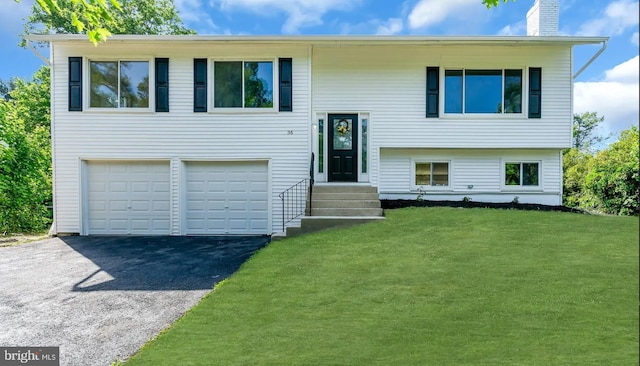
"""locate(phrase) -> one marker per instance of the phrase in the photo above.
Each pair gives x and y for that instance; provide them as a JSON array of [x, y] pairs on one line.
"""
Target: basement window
[[522, 174], [434, 174]]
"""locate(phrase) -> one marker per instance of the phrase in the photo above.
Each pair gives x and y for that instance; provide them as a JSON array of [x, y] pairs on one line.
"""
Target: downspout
[[561, 178], [52, 133], [593, 58], [310, 116], [38, 54], [313, 129]]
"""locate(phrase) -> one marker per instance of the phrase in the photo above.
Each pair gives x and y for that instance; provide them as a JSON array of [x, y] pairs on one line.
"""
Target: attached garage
[[226, 198], [127, 198]]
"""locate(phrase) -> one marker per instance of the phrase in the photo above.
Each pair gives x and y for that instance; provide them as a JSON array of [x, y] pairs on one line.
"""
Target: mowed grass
[[428, 286]]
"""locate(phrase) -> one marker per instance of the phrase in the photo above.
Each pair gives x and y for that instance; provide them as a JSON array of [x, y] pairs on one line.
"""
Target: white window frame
[[520, 187], [524, 110], [416, 187], [87, 84], [243, 109]]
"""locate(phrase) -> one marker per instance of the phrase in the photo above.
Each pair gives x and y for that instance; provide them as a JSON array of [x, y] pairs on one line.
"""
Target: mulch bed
[[391, 204]]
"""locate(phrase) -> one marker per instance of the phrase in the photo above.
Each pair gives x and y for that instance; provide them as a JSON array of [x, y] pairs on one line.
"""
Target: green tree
[[31, 99], [130, 17], [575, 165], [95, 17], [25, 159], [5, 88], [493, 3], [578, 161], [25, 148], [614, 176], [584, 131], [25, 154]]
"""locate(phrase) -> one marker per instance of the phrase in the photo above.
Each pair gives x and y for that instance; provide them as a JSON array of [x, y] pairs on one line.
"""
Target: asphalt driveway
[[101, 298]]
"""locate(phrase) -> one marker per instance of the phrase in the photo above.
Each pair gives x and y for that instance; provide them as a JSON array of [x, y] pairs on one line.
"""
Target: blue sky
[[609, 86]]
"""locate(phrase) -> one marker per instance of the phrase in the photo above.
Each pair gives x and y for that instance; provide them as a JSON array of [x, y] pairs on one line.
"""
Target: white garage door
[[128, 198], [226, 198]]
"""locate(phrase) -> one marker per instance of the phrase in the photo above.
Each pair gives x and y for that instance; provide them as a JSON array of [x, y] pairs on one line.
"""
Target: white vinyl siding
[[385, 83], [475, 173], [180, 135], [390, 84]]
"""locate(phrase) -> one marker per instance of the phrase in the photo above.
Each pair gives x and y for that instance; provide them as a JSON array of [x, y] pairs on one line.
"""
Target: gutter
[[593, 58], [38, 54], [328, 39]]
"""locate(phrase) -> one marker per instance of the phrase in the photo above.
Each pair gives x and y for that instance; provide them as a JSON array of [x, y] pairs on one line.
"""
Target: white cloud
[[618, 17], [634, 39], [427, 13], [391, 26], [517, 29], [625, 72], [615, 97], [300, 13], [194, 16]]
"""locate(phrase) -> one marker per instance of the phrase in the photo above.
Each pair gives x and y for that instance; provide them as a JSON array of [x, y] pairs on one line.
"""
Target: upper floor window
[[483, 91], [119, 84], [243, 84]]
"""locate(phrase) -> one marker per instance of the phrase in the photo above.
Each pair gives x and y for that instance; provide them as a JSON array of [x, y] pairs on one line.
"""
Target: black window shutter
[[75, 84], [535, 92], [200, 85], [433, 87], [162, 85], [286, 91]]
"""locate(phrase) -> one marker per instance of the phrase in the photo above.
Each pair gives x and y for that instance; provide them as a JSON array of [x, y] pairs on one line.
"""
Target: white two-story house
[[198, 135]]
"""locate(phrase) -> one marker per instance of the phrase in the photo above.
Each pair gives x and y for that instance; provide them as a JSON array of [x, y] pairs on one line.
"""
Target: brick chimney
[[543, 17]]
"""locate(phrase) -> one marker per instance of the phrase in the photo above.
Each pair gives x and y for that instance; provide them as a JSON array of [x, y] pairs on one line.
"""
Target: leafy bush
[[576, 164], [614, 176], [25, 157]]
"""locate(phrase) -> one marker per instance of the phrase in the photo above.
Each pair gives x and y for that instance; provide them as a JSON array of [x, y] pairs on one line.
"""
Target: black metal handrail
[[311, 181], [296, 200]]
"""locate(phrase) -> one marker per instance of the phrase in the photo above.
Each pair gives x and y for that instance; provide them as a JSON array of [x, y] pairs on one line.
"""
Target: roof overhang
[[329, 39]]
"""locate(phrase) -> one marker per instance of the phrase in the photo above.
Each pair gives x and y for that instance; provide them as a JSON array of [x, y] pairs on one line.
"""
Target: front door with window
[[343, 147]]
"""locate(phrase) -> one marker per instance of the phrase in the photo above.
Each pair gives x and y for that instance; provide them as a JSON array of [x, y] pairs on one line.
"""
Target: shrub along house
[[199, 135]]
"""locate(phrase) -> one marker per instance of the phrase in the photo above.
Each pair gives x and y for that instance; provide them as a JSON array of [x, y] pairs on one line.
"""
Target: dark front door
[[343, 147]]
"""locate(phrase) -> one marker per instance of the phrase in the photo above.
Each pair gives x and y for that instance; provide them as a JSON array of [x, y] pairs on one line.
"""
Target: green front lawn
[[428, 286]]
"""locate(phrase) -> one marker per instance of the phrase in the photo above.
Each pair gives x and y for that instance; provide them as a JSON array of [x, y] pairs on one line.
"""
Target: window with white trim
[[434, 174], [483, 91], [119, 84], [243, 84], [522, 174]]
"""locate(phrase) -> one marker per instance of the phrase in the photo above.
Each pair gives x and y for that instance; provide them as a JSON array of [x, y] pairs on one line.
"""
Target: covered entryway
[[226, 198], [127, 198]]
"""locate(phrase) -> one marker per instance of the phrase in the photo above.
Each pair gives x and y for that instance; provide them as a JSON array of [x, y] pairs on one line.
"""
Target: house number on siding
[[289, 132]]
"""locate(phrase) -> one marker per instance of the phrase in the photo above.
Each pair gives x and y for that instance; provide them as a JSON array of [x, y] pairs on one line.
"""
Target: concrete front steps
[[337, 205]]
